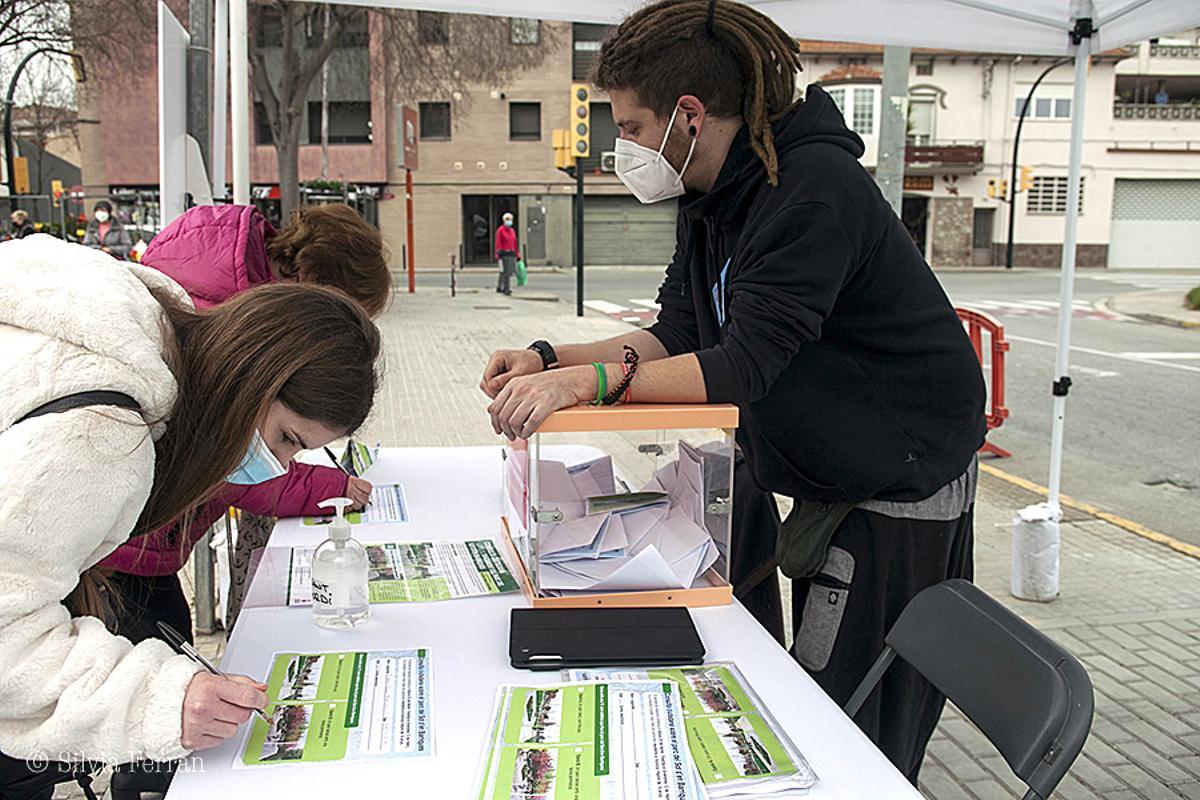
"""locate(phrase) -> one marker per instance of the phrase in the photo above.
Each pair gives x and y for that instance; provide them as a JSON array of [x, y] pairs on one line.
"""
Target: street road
[[1133, 417]]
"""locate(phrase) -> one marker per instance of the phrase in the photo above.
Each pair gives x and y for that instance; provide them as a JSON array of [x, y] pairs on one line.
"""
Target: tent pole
[[1062, 382], [239, 95]]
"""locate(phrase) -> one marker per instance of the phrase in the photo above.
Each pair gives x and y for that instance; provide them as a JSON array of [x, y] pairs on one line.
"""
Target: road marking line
[[604, 307], [1096, 373], [1135, 528], [1167, 356], [647, 303], [1045, 303], [1026, 306], [1119, 356]]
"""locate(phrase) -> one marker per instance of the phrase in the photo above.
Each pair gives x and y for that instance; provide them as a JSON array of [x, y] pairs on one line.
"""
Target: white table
[[454, 493]]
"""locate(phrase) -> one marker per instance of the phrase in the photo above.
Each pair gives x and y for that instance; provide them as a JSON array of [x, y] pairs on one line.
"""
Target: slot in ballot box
[[623, 506]]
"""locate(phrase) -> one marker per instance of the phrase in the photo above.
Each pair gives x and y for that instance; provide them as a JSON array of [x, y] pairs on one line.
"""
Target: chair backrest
[[1031, 698]]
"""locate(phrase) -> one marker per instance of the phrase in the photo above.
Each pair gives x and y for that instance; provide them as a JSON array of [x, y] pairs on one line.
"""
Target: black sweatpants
[[876, 564], [755, 527]]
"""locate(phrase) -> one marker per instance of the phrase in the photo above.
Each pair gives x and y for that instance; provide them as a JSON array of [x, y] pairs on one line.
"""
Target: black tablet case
[[560, 638]]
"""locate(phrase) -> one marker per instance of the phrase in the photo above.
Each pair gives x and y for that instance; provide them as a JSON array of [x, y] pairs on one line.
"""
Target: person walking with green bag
[[506, 253]]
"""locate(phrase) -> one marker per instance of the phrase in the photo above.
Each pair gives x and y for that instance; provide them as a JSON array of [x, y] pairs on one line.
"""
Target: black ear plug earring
[[692, 131]]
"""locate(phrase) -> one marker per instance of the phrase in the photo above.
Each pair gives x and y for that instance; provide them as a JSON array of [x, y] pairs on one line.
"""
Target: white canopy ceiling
[[999, 26]]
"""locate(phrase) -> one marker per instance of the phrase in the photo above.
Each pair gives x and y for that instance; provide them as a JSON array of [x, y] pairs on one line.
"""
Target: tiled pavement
[[1130, 609]]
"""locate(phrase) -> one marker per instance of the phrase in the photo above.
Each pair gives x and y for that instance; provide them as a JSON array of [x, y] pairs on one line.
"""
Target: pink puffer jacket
[[215, 252]]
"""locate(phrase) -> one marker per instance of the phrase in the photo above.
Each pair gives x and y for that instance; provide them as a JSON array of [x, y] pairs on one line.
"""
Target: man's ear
[[693, 113]]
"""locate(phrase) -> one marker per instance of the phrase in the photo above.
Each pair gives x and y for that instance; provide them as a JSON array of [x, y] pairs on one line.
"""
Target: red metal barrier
[[977, 323]]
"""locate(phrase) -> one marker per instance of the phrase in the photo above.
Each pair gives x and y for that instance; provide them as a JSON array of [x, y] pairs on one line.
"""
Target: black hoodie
[[809, 306]]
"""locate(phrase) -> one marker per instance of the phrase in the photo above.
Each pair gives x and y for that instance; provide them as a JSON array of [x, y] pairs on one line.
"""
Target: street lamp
[[1012, 184], [80, 77]]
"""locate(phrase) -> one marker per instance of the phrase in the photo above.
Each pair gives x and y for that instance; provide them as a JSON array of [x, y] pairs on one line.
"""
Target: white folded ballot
[[629, 541]]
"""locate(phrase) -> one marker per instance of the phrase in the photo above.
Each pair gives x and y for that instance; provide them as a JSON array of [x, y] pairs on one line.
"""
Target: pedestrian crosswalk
[[642, 311]]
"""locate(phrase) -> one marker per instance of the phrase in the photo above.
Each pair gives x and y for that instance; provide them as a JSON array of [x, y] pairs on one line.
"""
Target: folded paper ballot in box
[[624, 506]]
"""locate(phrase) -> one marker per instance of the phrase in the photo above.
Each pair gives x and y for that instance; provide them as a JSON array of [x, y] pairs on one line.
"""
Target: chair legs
[[869, 681]]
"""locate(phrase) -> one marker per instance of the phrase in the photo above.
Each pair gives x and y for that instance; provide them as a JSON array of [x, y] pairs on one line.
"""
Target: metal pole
[[578, 239], [220, 95], [239, 79], [893, 126], [198, 99], [411, 260], [1012, 184], [8, 107], [1062, 382]]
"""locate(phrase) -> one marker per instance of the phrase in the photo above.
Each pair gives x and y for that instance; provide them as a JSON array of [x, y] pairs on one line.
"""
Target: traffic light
[[1026, 179], [1004, 188], [581, 120], [991, 190]]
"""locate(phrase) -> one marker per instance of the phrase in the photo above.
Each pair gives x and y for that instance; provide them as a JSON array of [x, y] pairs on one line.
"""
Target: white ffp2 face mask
[[647, 173]]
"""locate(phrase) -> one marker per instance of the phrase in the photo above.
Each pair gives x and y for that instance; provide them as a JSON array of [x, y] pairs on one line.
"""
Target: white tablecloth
[[454, 493]]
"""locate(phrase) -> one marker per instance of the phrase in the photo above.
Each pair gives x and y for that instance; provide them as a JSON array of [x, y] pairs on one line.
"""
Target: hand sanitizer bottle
[[339, 574]]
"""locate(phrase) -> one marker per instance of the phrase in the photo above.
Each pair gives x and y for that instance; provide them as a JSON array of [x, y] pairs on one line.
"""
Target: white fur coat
[[72, 485]]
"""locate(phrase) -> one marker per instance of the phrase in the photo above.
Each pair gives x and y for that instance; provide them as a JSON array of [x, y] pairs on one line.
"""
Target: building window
[[435, 120], [586, 39], [525, 121], [522, 30], [268, 28], [433, 27], [349, 123], [1048, 195], [1044, 108], [922, 115], [924, 67], [859, 106], [262, 125], [356, 28]]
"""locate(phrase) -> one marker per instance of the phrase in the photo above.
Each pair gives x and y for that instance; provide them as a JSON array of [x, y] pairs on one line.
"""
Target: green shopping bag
[[522, 273]]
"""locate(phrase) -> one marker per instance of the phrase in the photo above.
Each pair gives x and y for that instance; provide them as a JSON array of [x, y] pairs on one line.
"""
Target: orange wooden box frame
[[586, 419]]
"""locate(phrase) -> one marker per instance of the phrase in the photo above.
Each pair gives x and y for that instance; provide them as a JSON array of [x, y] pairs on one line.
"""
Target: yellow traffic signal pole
[[1011, 195]]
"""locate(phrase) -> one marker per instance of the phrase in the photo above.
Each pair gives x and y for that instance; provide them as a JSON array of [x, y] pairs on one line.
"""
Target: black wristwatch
[[543, 349]]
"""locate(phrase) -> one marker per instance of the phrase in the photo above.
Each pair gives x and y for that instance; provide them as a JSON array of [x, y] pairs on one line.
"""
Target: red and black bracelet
[[629, 368]]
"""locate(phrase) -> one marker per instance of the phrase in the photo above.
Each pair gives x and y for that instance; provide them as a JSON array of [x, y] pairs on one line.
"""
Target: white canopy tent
[[1077, 28]]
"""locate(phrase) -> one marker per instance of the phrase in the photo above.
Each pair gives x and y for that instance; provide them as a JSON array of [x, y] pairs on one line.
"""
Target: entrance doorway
[[914, 213], [981, 237], [481, 215]]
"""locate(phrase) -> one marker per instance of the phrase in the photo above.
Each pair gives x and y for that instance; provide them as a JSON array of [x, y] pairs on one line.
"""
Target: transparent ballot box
[[625, 505]]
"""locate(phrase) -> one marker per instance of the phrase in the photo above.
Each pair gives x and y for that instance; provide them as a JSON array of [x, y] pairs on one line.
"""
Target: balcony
[[943, 159], [1173, 112], [1174, 50]]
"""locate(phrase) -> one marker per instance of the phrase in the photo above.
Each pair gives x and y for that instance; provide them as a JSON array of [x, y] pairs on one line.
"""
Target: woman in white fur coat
[[231, 393]]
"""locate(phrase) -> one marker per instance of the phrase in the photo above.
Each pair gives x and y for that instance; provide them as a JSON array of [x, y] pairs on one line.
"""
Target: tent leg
[[239, 94], [1062, 382]]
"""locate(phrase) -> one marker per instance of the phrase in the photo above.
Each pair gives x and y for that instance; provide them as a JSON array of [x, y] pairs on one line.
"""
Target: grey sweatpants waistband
[[946, 504]]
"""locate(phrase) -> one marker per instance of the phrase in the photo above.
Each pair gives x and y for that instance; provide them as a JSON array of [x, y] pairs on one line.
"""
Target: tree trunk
[[287, 156]]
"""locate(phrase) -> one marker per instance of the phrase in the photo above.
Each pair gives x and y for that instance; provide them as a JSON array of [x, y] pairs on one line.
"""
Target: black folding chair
[[1030, 698]]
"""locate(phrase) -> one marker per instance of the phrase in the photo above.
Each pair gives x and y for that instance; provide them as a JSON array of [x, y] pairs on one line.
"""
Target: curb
[[1136, 528], [1157, 319]]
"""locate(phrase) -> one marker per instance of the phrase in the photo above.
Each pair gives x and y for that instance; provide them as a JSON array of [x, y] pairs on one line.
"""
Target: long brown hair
[[735, 59], [334, 246], [310, 347]]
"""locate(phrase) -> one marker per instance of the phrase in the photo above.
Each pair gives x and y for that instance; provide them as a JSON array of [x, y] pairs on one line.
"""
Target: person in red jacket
[[506, 252], [215, 253]]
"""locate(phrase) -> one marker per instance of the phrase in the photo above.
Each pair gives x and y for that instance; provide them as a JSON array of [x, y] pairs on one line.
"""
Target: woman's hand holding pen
[[359, 491], [215, 705]]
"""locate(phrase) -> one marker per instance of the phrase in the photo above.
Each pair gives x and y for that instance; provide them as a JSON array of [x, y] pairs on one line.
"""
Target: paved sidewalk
[[1129, 607], [1164, 306]]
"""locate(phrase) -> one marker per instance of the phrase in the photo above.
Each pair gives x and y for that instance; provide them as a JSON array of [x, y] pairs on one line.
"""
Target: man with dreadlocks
[[796, 293]]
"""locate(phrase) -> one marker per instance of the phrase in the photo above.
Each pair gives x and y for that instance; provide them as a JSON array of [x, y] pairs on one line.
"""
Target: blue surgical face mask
[[508, 223], [259, 465]]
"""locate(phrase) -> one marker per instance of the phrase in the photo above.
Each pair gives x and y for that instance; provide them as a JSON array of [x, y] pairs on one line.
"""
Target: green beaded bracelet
[[601, 383]]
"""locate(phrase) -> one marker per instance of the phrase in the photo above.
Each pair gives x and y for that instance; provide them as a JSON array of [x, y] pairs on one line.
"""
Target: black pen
[[176, 640], [338, 464]]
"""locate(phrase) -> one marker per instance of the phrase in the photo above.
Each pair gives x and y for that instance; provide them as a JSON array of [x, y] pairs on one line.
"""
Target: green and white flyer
[[416, 572], [343, 706], [388, 507], [589, 741], [738, 748]]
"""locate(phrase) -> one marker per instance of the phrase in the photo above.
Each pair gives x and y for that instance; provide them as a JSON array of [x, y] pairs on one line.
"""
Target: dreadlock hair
[[734, 59]]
